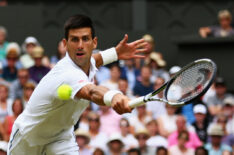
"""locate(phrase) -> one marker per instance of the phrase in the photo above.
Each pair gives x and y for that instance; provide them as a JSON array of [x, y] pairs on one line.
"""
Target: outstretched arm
[[96, 94], [125, 50]]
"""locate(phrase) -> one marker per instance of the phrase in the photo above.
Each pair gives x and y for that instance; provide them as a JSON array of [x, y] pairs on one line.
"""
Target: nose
[[80, 45]]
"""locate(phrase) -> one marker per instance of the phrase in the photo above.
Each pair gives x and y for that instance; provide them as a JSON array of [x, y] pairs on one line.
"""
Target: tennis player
[[46, 125]]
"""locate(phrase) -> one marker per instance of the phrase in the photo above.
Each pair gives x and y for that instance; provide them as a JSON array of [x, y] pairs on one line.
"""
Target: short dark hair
[[78, 21], [161, 148], [202, 149], [134, 150]]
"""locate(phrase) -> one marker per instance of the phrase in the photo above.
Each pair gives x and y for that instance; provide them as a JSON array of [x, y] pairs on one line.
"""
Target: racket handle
[[136, 102]]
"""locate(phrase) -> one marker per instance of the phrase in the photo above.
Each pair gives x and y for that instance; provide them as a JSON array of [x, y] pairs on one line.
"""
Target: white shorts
[[19, 146]]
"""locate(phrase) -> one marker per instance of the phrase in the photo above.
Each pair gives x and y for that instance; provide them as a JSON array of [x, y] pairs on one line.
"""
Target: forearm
[[98, 59], [93, 93], [105, 57]]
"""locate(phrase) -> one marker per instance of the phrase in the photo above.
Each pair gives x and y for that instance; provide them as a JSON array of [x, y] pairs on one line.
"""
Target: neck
[[216, 146], [86, 69], [141, 116], [143, 148], [182, 148], [145, 82], [124, 134], [93, 132], [227, 28]]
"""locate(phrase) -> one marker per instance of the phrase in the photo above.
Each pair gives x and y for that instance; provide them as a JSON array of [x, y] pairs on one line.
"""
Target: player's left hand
[[120, 104], [130, 50]]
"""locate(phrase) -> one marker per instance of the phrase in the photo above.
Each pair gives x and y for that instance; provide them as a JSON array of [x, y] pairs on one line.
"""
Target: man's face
[[2, 37], [225, 22], [23, 77], [80, 45]]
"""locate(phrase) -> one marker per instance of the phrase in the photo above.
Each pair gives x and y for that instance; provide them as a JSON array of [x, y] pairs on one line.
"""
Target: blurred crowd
[[205, 126]]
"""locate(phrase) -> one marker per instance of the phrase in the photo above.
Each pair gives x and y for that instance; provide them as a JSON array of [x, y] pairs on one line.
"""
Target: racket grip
[[136, 102]]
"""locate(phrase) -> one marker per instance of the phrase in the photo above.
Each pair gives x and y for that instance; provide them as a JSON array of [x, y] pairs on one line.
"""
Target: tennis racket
[[191, 82]]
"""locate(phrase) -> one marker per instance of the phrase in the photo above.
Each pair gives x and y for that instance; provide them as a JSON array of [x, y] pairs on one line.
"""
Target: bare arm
[[204, 31], [96, 93], [125, 50]]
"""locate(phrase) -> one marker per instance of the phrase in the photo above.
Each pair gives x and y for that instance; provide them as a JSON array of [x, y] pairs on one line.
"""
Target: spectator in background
[[134, 151], [38, 71], [83, 123], [193, 140], [5, 103], [98, 151], [181, 148], [165, 129], [17, 108], [223, 30], [173, 70], [123, 87], [3, 3], [61, 52], [10, 70], [228, 110], [1, 67], [216, 147], [129, 72], [98, 139], [155, 139], [142, 135], [82, 139], [109, 120], [157, 108], [2, 81], [126, 136], [201, 151], [215, 102], [3, 43], [27, 47], [157, 64], [112, 83], [16, 88], [143, 116], [27, 92], [201, 123], [115, 145], [161, 151], [143, 85]]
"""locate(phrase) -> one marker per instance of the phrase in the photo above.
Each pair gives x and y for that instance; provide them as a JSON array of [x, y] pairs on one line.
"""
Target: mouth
[[79, 54]]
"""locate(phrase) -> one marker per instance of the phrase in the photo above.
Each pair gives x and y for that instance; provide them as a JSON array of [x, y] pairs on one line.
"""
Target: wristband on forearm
[[109, 56], [108, 96]]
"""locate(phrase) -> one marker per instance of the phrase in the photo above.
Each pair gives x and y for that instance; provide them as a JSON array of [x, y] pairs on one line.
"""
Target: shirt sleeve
[[77, 79]]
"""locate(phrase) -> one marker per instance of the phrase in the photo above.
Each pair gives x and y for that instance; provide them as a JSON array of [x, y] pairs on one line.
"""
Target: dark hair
[[135, 150], [78, 21], [201, 148], [161, 148], [184, 132], [14, 102]]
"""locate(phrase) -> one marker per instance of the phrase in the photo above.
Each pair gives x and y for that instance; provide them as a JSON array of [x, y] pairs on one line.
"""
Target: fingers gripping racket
[[191, 82]]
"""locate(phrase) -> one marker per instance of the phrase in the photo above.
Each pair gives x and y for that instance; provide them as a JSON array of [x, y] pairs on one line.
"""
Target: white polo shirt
[[47, 118]]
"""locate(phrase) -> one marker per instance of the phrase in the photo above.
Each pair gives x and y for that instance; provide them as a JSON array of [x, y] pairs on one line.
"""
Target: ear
[[64, 42], [95, 42]]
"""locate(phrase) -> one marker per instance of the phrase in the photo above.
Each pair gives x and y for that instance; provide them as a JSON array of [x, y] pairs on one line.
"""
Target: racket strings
[[190, 82]]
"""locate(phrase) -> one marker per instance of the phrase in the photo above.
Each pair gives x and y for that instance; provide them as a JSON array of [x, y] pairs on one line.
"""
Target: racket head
[[191, 82]]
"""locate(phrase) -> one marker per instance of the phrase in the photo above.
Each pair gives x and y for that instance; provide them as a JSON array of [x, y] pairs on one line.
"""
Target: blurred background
[[173, 24]]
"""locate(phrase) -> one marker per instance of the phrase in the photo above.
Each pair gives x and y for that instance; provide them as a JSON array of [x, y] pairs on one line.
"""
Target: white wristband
[[109, 56], [109, 95]]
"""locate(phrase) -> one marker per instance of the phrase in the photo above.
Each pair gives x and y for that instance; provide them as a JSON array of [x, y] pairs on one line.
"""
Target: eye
[[74, 39], [85, 38]]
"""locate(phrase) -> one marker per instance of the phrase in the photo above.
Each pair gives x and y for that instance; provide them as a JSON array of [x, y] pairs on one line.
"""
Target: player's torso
[[46, 117]]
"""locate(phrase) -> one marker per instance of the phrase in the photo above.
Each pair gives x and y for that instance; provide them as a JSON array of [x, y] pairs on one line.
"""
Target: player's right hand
[[120, 104]]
